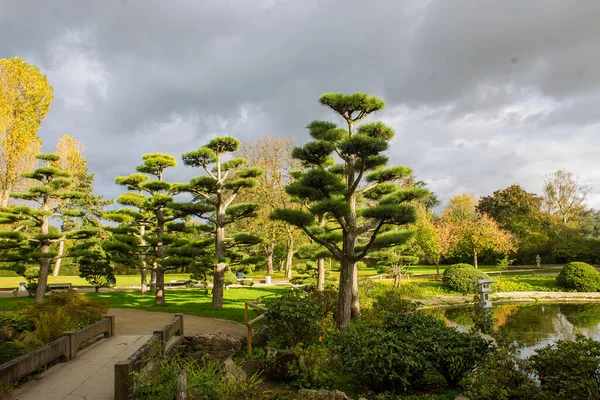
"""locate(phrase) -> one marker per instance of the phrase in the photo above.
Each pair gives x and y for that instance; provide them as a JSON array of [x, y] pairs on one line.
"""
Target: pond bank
[[515, 297]]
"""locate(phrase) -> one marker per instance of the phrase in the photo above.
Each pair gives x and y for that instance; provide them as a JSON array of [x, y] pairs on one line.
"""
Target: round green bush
[[462, 278], [579, 276]]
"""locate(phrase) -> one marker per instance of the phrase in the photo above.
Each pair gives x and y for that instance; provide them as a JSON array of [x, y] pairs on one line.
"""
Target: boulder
[[276, 364], [322, 395], [218, 345], [232, 371], [260, 336]]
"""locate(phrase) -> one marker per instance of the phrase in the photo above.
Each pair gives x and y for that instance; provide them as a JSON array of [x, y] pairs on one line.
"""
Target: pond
[[533, 325]]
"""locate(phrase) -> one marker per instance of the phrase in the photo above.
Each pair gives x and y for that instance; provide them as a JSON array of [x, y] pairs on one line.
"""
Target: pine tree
[[215, 195], [31, 241], [359, 195], [153, 212]]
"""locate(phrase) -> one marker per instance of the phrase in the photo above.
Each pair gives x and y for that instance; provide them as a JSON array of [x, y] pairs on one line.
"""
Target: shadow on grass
[[190, 301]]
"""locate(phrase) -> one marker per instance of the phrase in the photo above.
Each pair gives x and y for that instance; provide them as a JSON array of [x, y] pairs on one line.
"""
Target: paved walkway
[[91, 374]]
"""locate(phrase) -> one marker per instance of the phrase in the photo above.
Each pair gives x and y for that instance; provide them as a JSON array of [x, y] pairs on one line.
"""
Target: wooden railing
[[249, 324], [162, 342], [64, 348]]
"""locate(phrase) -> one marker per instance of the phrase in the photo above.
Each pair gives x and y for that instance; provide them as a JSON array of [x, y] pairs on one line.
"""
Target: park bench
[[181, 282], [62, 286], [240, 277]]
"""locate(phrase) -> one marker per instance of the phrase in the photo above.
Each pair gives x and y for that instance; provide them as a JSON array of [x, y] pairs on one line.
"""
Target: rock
[[260, 337], [218, 345], [322, 395], [276, 364], [233, 371]]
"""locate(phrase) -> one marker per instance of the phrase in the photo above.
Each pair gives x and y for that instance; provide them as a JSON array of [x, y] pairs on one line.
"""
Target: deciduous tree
[[564, 197], [470, 232], [25, 97], [338, 190]]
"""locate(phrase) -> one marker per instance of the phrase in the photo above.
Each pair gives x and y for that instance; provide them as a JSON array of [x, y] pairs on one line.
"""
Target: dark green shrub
[[462, 278], [453, 353], [229, 278], [382, 359], [16, 321], [502, 376], [569, 370], [300, 317], [80, 308], [8, 272], [579, 276]]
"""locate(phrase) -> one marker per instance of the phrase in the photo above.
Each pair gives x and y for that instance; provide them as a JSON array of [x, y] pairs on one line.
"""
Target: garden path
[[90, 375]]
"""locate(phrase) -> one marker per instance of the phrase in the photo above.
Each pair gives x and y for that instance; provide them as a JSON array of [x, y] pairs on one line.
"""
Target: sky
[[482, 94]]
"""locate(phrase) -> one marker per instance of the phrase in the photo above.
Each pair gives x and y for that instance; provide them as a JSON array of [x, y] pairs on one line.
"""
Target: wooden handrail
[[249, 324]]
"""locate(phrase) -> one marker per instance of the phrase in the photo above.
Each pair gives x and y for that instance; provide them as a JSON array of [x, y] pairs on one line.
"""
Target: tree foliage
[[358, 195], [30, 242], [215, 197], [25, 97]]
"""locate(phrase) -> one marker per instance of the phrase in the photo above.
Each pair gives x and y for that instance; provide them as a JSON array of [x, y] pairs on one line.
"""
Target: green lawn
[[186, 301], [122, 280]]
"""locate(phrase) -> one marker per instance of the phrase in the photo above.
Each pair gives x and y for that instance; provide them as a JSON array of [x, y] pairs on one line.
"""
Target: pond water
[[533, 325]]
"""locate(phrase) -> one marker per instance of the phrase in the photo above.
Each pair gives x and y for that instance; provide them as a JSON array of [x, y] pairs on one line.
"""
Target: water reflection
[[533, 326]]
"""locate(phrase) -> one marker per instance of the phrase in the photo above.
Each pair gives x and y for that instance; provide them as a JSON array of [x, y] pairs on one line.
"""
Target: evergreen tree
[[215, 195], [153, 212], [31, 241], [358, 194]]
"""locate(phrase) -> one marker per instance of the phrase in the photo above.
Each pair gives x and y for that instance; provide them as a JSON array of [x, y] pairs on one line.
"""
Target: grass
[[186, 301], [122, 280]]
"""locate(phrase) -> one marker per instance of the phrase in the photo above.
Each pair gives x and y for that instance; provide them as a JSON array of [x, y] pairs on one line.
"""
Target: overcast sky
[[481, 94]]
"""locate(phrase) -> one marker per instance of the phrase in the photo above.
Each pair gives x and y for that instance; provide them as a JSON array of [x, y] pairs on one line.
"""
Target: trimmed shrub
[[579, 276], [300, 317], [462, 278]]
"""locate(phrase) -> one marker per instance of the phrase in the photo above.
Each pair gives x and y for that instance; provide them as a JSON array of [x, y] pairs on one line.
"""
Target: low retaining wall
[[161, 342], [64, 348]]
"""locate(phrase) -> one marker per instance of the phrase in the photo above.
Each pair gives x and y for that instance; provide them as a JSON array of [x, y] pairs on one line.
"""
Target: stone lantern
[[484, 290]]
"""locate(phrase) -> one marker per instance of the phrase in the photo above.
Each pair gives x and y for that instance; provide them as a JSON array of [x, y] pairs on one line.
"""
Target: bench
[[63, 286], [181, 282]]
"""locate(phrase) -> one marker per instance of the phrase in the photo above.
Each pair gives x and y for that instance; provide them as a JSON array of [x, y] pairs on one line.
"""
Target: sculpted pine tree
[[216, 193], [154, 211], [358, 195], [32, 243], [25, 97]]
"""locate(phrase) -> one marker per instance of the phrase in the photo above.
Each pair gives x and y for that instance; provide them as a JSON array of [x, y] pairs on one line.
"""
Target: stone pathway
[[91, 374]]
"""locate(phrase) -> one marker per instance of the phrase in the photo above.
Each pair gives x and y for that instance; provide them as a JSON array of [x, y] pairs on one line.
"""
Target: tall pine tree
[[30, 242], [216, 192], [358, 194]]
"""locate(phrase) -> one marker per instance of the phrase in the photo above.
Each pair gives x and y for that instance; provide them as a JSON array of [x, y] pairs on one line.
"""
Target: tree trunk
[[217, 294], [97, 288], [475, 259], [143, 281], [355, 299], [344, 311], [61, 251], [321, 274], [289, 259], [270, 251], [40, 292], [160, 287], [437, 270], [153, 277], [5, 196]]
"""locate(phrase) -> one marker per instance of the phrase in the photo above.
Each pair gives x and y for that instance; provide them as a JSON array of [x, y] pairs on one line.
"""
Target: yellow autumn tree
[[25, 97], [70, 151], [466, 231]]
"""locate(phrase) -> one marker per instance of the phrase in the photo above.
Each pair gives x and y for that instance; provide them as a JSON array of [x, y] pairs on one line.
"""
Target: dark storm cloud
[[472, 86]]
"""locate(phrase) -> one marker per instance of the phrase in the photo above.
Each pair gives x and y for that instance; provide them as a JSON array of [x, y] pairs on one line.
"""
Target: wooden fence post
[[180, 316], [249, 340], [111, 331], [123, 380]]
